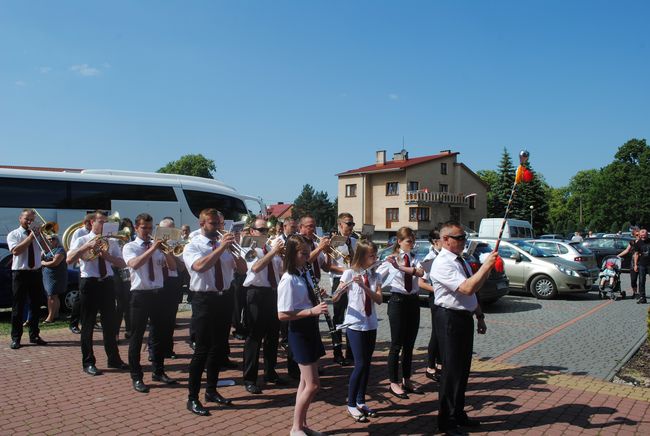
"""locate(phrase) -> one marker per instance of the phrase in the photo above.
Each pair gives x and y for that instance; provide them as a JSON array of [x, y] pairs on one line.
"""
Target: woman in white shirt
[[363, 288], [402, 271], [298, 304]]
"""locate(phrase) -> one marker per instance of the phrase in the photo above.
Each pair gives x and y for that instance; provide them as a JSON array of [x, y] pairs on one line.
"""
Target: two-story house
[[420, 192]]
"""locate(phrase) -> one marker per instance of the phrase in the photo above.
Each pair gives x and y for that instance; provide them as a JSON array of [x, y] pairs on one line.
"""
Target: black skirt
[[304, 340]]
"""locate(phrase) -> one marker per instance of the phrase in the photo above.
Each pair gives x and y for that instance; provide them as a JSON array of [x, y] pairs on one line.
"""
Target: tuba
[[67, 235]]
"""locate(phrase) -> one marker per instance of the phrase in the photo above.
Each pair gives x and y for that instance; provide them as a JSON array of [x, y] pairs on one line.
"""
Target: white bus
[[65, 196]]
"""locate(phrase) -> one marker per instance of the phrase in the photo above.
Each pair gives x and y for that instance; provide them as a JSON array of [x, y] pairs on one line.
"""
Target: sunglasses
[[458, 237], [349, 223], [260, 229]]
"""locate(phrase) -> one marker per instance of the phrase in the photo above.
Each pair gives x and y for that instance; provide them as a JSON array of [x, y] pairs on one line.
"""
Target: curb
[[610, 375]]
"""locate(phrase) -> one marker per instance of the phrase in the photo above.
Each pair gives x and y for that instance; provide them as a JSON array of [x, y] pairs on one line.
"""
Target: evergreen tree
[[503, 185], [317, 204]]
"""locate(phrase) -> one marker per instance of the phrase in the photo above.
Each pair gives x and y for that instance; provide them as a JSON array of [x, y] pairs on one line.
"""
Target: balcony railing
[[420, 197]]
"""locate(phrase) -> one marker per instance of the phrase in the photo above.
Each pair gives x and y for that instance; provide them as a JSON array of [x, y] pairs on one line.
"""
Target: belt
[[97, 279], [217, 293], [143, 291], [459, 311]]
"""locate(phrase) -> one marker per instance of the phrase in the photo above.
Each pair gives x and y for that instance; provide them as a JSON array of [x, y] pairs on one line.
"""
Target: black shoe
[[92, 370], [229, 364], [435, 376], [403, 395], [193, 345], [413, 390], [275, 380], [75, 329], [342, 361], [197, 408], [215, 397], [139, 386], [252, 388], [163, 378], [641, 301], [37, 340], [15, 345], [118, 365], [127, 335]]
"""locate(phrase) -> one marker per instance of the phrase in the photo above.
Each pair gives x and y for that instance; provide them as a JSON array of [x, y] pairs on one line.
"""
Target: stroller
[[609, 279]]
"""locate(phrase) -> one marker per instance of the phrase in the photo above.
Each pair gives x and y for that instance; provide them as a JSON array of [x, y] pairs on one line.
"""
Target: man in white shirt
[[173, 295], [338, 267], [261, 286], [455, 288], [76, 306], [146, 262], [97, 292], [26, 279], [211, 265]]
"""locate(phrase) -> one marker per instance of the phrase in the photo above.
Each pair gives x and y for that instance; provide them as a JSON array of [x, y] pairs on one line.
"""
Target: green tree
[[317, 204], [191, 165], [490, 177]]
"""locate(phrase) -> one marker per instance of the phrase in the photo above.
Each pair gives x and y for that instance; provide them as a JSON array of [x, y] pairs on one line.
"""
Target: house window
[[472, 202], [414, 186], [392, 188], [444, 188], [443, 168], [392, 214], [419, 214], [351, 190]]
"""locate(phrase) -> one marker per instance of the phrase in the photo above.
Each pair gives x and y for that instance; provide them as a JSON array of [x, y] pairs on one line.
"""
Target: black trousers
[[239, 313], [170, 297], [404, 318], [643, 270], [339, 316], [263, 325], [26, 283], [634, 278], [211, 316], [455, 330], [98, 296], [433, 351], [123, 297], [146, 306]]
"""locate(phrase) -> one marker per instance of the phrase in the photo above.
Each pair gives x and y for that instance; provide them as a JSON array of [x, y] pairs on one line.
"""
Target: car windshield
[[580, 248], [531, 249]]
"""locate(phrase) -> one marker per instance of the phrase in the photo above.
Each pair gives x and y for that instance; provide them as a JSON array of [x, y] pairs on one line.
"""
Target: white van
[[65, 196], [490, 228]]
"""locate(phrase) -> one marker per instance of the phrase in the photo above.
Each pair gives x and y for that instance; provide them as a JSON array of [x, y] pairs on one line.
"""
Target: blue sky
[[282, 93]]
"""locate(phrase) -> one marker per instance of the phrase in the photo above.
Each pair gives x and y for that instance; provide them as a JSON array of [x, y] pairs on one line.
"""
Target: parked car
[[552, 236], [495, 287], [6, 294], [570, 251], [605, 247], [542, 274]]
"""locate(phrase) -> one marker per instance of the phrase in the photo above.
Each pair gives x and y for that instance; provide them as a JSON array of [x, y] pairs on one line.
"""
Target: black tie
[[464, 265], [310, 288]]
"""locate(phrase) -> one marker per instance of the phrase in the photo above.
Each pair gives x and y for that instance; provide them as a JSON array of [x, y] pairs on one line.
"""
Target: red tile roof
[[396, 164], [278, 209]]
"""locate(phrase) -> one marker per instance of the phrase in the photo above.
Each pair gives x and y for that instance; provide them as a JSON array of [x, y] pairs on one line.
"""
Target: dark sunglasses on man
[[260, 229], [461, 237], [348, 223]]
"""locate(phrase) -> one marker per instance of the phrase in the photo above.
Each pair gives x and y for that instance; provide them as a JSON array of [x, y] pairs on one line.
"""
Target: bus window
[[31, 193], [232, 208], [88, 195]]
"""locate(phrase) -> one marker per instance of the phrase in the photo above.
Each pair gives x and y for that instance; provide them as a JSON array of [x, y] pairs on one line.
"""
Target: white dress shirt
[[397, 283], [339, 260], [81, 231], [199, 247], [356, 311], [293, 293], [447, 274], [21, 261], [260, 279], [90, 268], [140, 280]]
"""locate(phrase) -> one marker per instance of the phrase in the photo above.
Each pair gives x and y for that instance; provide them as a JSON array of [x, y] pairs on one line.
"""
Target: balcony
[[449, 198]]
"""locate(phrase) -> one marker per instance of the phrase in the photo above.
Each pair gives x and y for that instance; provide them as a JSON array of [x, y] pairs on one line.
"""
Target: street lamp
[[531, 214]]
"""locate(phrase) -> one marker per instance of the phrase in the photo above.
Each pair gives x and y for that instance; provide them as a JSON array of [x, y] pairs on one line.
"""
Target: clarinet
[[330, 324]]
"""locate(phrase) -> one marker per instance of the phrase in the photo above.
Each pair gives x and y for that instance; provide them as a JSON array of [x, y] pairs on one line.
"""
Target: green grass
[[5, 324]]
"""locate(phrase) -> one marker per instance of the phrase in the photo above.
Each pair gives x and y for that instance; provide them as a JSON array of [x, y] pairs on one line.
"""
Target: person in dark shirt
[[642, 262]]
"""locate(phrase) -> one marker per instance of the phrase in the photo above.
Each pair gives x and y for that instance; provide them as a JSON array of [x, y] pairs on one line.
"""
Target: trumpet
[[174, 247], [236, 249], [252, 253], [333, 253]]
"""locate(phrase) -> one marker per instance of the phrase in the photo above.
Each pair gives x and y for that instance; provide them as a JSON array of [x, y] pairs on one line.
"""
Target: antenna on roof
[[402, 142]]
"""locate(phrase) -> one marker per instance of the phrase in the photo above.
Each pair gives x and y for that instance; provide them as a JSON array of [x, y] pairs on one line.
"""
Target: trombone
[[41, 230], [333, 253]]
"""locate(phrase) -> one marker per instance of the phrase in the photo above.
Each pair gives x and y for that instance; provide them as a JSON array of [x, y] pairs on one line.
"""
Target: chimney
[[445, 151], [381, 158]]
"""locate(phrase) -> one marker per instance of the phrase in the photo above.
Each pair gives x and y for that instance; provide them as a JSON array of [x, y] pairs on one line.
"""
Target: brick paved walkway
[[44, 391]]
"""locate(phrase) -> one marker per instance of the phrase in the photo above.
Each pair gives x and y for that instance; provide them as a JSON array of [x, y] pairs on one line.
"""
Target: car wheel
[[70, 298], [543, 287]]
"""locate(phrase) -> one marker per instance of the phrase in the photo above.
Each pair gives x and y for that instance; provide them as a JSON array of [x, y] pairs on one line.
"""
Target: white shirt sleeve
[[128, 252], [285, 290], [447, 275], [191, 254], [12, 239], [77, 243]]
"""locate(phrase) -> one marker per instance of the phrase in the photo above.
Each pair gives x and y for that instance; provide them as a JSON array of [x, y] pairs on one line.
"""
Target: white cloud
[[20, 83], [393, 96], [85, 70], [45, 70]]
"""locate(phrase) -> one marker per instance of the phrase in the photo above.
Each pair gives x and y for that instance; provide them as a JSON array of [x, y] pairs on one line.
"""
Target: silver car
[[570, 251], [538, 272]]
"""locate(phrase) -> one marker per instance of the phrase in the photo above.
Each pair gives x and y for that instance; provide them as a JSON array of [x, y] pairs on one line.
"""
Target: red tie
[[270, 272], [218, 275], [165, 272], [408, 278], [367, 304], [31, 262], [152, 273], [315, 264], [102, 267]]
